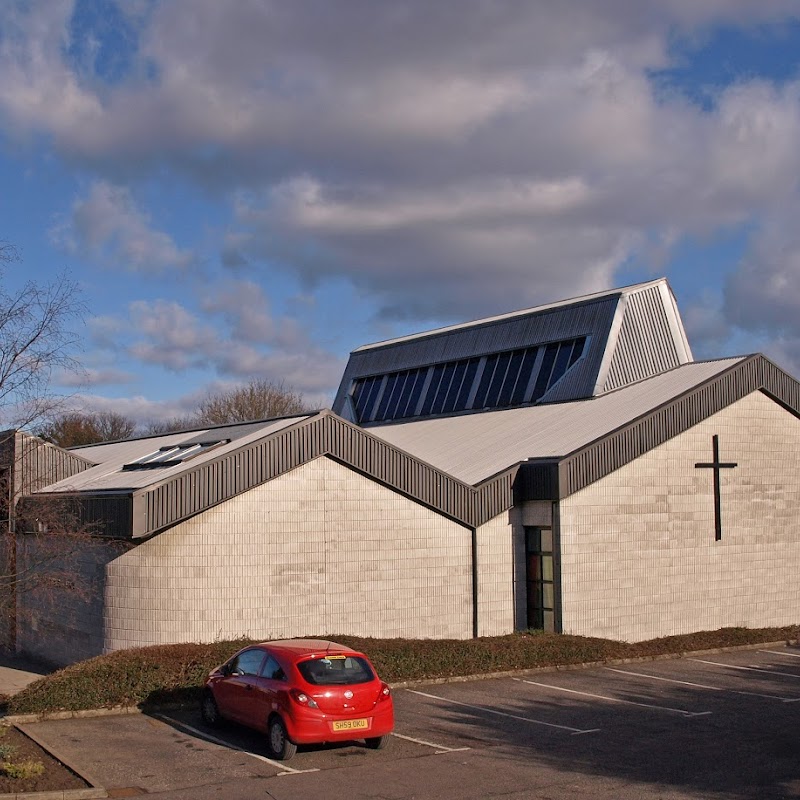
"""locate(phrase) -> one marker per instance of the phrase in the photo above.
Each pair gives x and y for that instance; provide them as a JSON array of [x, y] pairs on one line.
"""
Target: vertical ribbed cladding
[[645, 345], [325, 434], [35, 463], [599, 459], [537, 480], [494, 496]]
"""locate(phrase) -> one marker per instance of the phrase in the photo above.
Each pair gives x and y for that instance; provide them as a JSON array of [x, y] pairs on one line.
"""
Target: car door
[[267, 688], [236, 691]]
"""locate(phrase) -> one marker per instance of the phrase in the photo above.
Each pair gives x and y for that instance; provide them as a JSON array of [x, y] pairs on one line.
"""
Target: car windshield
[[336, 670]]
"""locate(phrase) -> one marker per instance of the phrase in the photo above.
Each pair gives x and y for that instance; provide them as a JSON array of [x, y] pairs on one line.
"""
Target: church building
[[568, 467]]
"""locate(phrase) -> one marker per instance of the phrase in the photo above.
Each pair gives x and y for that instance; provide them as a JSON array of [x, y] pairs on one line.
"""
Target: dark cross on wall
[[716, 465]]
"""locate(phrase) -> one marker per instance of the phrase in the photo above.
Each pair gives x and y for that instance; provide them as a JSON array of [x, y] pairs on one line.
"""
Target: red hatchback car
[[301, 691]]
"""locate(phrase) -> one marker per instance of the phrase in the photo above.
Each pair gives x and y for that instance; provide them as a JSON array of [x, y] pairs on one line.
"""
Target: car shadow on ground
[[187, 719]]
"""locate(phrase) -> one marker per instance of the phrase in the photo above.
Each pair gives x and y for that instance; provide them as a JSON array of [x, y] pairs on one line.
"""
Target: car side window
[[272, 670], [247, 663]]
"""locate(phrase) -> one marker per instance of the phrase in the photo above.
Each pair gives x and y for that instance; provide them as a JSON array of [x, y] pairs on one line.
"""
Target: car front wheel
[[377, 742], [209, 710], [280, 746]]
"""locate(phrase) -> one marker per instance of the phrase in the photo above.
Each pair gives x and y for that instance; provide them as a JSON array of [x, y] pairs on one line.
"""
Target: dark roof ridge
[[498, 319]]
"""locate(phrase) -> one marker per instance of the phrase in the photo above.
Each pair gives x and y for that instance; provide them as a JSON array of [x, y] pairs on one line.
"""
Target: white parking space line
[[203, 735], [747, 669], [485, 710], [681, 711], [440, 748], [666, 680], [703, 685], [781, 653]]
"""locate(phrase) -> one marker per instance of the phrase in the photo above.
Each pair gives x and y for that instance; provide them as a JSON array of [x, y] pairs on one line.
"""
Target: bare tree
[[73, 428], [36, 341], [258, 399], [171, 425]]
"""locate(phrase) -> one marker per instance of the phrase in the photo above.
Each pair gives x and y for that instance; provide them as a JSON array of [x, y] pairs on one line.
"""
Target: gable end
[[756, 373]]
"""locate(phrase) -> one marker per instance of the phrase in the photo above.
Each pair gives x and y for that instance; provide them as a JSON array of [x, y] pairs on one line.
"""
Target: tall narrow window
[[541, 586]]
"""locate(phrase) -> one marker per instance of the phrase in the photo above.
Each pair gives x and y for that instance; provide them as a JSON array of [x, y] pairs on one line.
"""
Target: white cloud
[[763, 294], [232, 336], [39, 91], [136, 407], [497, 154], [93, 376], [171, 336], [246, 310], [108, 227]]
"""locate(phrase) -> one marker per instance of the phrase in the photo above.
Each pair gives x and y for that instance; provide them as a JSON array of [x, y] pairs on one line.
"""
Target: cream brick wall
[[320, 550], [495, 571], [638, 553]]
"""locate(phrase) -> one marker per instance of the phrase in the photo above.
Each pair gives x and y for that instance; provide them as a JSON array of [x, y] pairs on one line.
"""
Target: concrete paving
[[722, 727], [17, 672]]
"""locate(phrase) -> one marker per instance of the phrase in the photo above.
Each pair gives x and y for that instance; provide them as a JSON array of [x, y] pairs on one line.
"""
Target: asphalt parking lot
[[713, 726]]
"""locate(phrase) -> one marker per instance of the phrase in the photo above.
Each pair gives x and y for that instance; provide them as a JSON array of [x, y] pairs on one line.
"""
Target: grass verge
[[152, 676]]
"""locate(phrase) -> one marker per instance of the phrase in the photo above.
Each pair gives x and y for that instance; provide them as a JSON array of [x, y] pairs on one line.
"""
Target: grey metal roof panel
[[510, 316], [474, 447], [632, 333], [108, 475]]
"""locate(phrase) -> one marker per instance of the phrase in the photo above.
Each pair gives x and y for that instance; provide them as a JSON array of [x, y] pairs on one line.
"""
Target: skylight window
[[170, 455]]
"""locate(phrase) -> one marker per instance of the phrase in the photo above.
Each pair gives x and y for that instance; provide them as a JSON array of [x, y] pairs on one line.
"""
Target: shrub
[[30, 768], [175, 673], [6, 751]]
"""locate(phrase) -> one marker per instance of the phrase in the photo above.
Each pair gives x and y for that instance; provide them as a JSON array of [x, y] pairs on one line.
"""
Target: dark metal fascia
[[538, 479], [213, 482], [612, 451], [106, 514]]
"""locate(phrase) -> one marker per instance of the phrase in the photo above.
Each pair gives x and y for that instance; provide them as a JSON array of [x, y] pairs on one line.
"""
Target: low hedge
[[152, 676]]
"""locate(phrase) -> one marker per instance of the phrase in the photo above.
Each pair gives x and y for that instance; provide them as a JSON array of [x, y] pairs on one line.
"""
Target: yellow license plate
[[351, 725]]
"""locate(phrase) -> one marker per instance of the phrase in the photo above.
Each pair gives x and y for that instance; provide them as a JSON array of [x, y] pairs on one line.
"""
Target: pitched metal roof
[[524, 312], [473, 447], [109, 475], [469, 468], [629, 333]]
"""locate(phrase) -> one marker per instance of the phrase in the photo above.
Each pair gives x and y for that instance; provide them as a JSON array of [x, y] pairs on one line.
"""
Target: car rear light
[[386, 692], [303, 699]]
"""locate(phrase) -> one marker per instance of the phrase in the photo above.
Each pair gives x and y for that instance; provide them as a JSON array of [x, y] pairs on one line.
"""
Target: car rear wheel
[[278, 742], [377, 742], [209, 710]]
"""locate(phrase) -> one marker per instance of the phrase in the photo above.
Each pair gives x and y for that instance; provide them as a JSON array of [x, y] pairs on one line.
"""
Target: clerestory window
[[498, 380]]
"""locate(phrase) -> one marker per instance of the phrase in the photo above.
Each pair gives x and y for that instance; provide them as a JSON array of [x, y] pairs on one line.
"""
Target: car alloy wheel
[[209, 710], [279, 743]]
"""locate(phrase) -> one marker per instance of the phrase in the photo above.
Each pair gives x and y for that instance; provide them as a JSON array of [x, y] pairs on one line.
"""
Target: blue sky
[[253, 189]]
